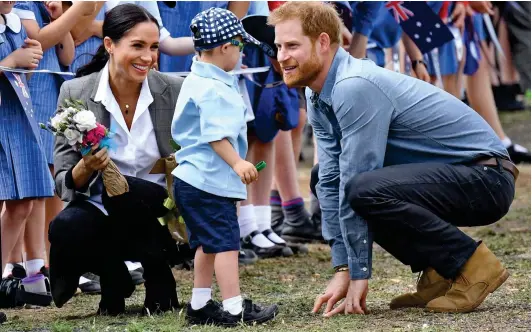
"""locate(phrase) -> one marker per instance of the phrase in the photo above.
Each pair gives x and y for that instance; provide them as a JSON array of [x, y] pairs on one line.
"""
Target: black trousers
[[83, 239], [413, 211]]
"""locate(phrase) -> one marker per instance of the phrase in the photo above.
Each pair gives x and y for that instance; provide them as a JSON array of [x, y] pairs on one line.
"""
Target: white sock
[[246, 220], [132, 265], [83, 280], [200, 297], [233, 305], [33, 266], [506, 142], [7, 270], [262, 241], [263, 215], [264, 222], [520, 148]]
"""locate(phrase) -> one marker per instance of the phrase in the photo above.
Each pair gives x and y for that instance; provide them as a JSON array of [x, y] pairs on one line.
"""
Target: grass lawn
[[294, 282]]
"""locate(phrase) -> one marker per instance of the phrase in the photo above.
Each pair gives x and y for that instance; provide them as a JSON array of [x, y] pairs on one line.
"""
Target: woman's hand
[[96, 162]]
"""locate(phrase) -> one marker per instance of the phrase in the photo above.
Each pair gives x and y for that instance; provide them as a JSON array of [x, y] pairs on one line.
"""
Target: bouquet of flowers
[[79, 127]]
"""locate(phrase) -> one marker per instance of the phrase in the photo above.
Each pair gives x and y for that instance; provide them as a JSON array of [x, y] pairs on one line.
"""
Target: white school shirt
[[135, 151]]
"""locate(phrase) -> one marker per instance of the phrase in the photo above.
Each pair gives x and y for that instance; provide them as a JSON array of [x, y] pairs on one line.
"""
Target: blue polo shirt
[[209, 108]]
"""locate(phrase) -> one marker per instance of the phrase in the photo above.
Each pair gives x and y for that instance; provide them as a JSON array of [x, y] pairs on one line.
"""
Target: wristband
[[416, 62]]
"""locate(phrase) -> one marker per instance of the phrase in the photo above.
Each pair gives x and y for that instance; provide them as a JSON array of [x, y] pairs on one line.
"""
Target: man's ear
[[324, 41]]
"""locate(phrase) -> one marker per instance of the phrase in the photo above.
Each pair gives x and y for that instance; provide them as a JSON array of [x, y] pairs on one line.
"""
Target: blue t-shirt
[[209, 108]]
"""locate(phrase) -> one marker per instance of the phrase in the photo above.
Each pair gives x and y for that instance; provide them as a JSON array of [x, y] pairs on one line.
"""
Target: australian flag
[[420, 23]]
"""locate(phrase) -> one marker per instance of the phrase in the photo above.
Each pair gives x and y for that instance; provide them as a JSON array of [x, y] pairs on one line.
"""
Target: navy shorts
[[211, 220]]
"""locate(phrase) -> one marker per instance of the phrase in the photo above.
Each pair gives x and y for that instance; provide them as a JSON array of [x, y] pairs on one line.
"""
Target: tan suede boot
[[481, 275], [430, 286]]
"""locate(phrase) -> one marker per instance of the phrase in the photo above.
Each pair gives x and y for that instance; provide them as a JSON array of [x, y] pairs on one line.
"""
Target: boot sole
[[498, 282]]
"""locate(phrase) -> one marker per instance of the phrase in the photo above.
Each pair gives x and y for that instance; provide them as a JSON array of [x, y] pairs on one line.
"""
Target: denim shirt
[[367, 117], [209, 108]]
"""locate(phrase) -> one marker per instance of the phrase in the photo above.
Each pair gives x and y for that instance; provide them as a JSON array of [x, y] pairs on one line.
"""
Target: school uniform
[[85, 51], [176, 17], [24, 171], [44, 88]]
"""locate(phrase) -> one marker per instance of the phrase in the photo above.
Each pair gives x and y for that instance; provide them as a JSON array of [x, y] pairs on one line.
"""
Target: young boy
[[209, 124]]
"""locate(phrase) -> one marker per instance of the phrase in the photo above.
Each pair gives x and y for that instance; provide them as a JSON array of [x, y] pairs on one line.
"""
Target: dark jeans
[[413, 211], [84, 240]]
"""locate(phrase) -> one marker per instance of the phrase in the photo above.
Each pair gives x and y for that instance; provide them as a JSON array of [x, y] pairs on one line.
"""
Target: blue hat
[[216, 26]]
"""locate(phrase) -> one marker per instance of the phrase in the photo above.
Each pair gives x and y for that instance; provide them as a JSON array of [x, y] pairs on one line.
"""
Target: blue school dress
[[176, 20], [24, 171], [44, 88], [86, 51], [447, 57]]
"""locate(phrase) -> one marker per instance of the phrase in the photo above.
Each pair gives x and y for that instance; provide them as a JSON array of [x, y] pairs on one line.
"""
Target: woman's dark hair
[[118, 21]]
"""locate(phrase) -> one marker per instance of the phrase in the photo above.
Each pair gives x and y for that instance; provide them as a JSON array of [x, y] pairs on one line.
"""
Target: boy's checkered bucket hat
[[216, 26]]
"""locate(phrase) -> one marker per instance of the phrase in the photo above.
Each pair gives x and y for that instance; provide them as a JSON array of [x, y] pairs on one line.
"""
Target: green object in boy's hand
[[260, 166]]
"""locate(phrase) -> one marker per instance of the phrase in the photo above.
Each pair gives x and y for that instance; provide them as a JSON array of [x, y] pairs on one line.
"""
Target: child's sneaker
[[211, 313], [251, 314]]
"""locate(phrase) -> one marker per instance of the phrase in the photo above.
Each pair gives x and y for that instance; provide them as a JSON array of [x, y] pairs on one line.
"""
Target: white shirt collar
[[13, 22], [104, 94]]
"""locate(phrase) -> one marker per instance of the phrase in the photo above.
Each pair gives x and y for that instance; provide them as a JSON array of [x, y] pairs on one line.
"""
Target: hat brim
[[257, 26]]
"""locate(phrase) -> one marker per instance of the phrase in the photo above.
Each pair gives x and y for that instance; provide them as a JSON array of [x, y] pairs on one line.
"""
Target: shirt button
[[485, 168], [364, 269], [365, 241]]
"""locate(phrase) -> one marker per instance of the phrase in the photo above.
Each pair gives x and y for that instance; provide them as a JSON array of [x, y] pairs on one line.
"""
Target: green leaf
[[174, 145]]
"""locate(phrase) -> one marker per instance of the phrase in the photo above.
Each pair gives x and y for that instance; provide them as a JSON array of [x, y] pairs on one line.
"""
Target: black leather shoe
[[91, 287], [305, 230], [295, 248], [275, 251], [518, 156], [211, 313], [136, 276], [251, 314], [247, 257]]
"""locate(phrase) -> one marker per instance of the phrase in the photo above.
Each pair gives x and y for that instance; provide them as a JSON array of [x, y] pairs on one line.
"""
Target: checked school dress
[[24, 172], [44, 88]]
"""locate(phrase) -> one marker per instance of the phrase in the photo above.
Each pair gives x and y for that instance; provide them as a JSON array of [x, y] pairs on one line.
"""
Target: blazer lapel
[[97, 107]]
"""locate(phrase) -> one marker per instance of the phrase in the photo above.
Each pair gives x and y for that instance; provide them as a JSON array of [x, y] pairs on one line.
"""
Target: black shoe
[[136, 276], [247, 257], [303, 231], [18, 271], [251, 314], [295, 248], [9, 292], [505, 97], [518, 156], [3, 318], [277, 218], [211, 313], [91, 287], [275, 251]]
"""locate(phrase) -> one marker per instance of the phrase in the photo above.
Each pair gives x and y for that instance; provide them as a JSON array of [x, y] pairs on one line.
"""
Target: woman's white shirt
[[135, 151]]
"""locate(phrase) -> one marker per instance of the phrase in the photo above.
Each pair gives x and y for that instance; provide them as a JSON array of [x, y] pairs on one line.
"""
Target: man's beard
[[305, 73]]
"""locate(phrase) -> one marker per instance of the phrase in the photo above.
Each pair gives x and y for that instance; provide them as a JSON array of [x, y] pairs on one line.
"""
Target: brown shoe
[[481, 275], [430, 286]]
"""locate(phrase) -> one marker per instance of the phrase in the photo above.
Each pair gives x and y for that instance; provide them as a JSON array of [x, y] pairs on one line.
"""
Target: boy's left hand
[[246, 171]]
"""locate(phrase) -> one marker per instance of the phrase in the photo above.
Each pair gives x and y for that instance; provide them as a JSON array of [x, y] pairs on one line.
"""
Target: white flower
[[73, 136], [58, 119], [85, 120]]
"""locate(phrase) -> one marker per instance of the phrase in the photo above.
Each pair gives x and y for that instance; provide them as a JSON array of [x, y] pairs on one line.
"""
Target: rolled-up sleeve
[[219, 116], [364, 114], [364, 14]]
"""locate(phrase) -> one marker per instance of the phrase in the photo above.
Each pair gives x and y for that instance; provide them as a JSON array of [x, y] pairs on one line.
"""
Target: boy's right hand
[[246, 171], [29, 55]]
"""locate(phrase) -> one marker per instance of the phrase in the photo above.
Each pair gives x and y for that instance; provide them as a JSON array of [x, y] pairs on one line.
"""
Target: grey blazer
[[164, 89]]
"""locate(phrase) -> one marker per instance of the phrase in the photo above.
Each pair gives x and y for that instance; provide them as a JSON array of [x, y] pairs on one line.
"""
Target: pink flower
[[95, 135]]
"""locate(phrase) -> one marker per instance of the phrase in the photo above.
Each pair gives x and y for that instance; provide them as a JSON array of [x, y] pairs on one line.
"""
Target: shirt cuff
[[338, 253], [163, 34], [359, 269]]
